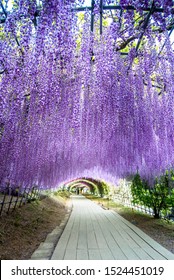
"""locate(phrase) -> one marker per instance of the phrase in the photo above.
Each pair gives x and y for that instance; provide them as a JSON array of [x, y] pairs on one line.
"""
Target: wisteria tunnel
[[86, 91], [79, 184], [87, 111]]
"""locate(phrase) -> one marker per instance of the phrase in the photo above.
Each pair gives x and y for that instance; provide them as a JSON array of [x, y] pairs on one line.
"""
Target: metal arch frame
[[150, 11]]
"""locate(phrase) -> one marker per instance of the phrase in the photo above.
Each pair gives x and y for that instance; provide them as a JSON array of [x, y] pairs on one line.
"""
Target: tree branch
[[125, 43], [3, 9], [145, 25]]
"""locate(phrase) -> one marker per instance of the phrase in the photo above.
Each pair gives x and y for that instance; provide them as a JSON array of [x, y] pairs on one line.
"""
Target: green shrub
[[102, 188], [62, 193], [159, 197]]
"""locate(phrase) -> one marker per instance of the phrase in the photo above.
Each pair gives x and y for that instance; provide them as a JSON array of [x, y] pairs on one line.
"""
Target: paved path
[[94, 233]]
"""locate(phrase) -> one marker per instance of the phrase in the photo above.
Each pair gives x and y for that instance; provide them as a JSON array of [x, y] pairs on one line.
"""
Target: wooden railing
[[126, 201], [10, 199]]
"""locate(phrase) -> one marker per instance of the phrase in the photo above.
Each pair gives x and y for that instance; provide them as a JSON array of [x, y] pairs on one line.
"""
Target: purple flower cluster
[[69, 110]]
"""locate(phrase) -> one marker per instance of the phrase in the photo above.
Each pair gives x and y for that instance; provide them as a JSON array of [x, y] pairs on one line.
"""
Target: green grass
[[127, 211], [64, 194], [108, 203]]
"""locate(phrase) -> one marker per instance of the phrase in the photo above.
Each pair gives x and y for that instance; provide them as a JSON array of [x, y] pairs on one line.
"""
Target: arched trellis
[[80, 186], [149, 10], [90, 146], [92, 183], [88, 182], [103, 7]]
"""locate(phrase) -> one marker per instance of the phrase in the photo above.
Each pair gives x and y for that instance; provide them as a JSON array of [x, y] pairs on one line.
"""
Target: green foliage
[[81, 17], [140, 192], [47, 192], [160, 197], [103, 188], [62, 193], [93, 189], [2, 34]]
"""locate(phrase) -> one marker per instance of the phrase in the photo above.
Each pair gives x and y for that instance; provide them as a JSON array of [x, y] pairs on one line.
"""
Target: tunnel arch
[[80, 186], [96, 186]]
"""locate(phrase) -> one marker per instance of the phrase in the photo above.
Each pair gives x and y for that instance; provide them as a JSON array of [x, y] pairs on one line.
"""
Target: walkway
[[94, 233]]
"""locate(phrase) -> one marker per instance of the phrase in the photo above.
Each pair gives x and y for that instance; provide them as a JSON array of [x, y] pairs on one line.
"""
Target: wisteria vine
[[71, 105]]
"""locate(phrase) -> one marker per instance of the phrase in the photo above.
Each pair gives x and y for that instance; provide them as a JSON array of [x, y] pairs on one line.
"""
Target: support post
[[101, 16], [9, 204], [17, 199], [23, 197], [92, 15], [2, 203]]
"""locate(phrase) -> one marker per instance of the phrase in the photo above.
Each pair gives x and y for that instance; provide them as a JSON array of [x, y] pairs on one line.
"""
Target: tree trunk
[[156, 214]]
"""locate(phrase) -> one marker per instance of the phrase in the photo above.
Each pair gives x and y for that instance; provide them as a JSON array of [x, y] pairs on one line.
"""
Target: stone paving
[[94, 233]]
